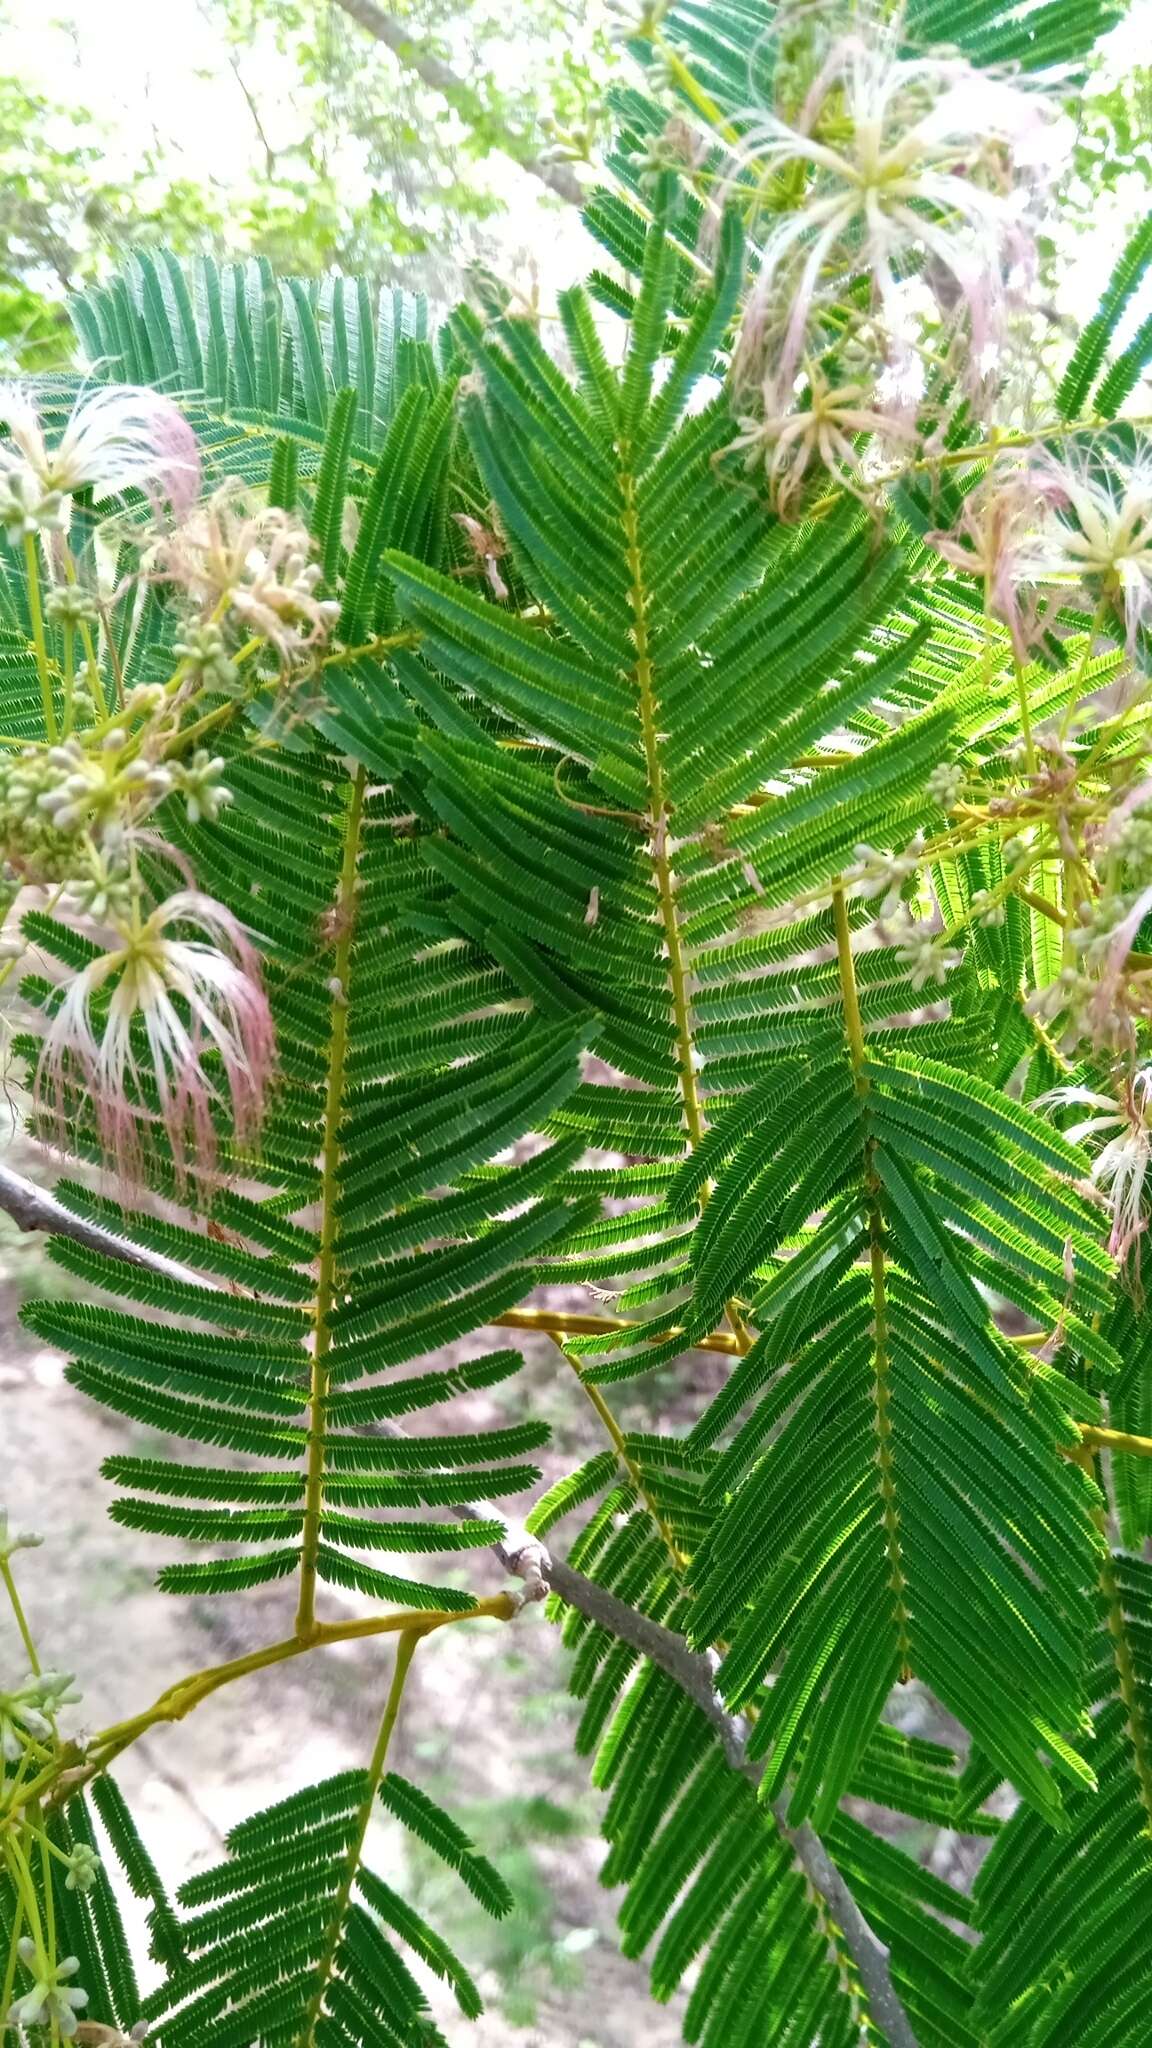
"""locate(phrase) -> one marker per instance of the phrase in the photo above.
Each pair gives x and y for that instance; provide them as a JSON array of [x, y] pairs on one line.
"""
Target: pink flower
[[175, 1003], [118, 437], [994, 540], [252, 562], [919, 182]]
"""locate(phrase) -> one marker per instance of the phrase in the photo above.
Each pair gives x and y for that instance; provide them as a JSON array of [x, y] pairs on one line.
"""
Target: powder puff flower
[[875, 873], [174, 1004], [788, 441], [994, 541], [84, 1867], [251, 562], [918, 183], [1121, 1166], [118, 437], [52, 2001], [1099, 529]]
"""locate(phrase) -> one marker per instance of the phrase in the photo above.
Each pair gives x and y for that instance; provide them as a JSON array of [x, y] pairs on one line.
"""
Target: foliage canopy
[[687, 826]]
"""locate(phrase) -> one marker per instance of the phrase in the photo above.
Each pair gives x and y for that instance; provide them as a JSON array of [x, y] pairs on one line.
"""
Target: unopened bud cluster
[[43, 1997]]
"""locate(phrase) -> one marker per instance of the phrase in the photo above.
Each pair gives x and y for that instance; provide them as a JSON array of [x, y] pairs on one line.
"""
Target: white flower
[[994, 540], [635, 19], [118, 437], [53, 1690], [1121, 1167], [22, 1718], [199, 784], [25, 506], [946, 784], [884, 874], [987, 911], [51, 1999], [919, 178], [918, 948], [70, 604], [193, 1002], [204, 652], [1099, 528], [787, 441]]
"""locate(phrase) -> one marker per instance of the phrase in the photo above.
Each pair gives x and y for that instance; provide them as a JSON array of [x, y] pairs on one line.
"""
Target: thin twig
[[418, 57]]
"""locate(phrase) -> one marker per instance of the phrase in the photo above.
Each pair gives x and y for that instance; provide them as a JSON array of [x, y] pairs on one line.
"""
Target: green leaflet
[[561, 1003], [1056, 1960], [294, 1937], [1091, 350], [709, 1879], [881, 1483]]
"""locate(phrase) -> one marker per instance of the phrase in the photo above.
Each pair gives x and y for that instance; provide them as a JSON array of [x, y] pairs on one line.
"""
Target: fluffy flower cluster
[[920, 179], [168, 1027], [13, 1540], [27, 1714], [1072, 526], [1120, 1168], [198, 1007], [249, 564], [118, 438], [819, 430], [909, 166]]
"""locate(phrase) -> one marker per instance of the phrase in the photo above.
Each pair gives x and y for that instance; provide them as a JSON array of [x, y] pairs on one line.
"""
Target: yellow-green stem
[[32, 563], [9, 1991], [49, 1896], [69, 680], [560, 1324], [620, 1446], [61, 1779], [1025, 717], [94, 675], [26, 1889], [1094, 630], [690, 85], [1126, 1679], [20, 1617], [1008, 886], [327, 1277], [405, 1651], [1115, 1440], [658, 807], [877, 1261]]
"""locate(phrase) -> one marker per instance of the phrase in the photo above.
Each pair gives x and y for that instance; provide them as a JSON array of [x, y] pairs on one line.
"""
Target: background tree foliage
[[352, 160]]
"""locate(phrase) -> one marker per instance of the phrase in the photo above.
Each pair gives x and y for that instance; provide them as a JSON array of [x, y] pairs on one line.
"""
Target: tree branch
[[34, 1208], [695, 1673], [394, 34]]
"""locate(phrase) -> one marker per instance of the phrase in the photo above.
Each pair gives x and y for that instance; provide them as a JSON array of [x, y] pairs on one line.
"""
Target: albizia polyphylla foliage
[[657, 803]]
